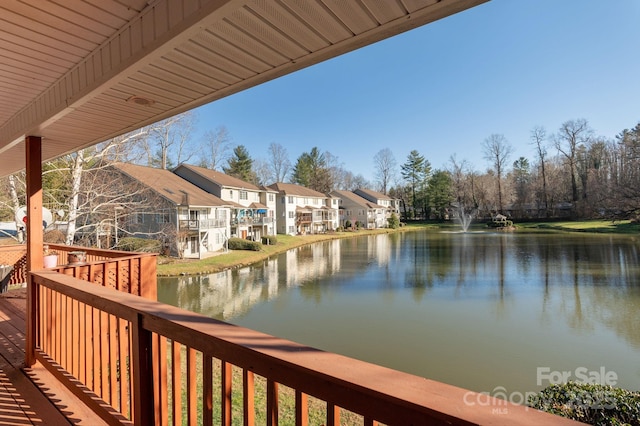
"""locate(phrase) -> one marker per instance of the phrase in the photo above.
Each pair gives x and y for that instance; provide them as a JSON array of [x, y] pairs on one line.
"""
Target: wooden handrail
[[375, 392]]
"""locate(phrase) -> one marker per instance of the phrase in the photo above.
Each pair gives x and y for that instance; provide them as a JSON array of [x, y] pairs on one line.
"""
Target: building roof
[[373, 194], [79, 72], [170, 186], [220, 178], [296, 190], [358, 200]]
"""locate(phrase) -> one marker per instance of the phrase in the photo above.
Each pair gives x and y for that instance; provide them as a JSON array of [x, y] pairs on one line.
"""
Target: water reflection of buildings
[[231, 293], [311, 262]]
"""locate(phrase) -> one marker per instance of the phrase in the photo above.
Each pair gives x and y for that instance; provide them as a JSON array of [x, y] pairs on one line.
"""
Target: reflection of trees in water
[[593, 282], [585, 282]]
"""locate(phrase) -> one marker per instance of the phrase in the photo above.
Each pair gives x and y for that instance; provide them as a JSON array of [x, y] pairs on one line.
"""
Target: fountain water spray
[[465, 218]]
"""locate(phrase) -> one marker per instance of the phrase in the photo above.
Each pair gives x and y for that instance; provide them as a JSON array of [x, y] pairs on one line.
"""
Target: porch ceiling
[[77, 72]]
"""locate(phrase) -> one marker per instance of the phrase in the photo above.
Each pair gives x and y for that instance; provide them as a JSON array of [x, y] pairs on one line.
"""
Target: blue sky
[[502, 67]]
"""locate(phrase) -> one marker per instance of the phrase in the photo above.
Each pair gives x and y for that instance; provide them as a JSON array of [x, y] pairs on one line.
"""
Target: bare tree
[[385, 168], [217, 146], [538, 138], [166, 145], [16, 189], [351, 182], [497, 150], [462, 184], [262, 172], [278, 162], [572, 135]]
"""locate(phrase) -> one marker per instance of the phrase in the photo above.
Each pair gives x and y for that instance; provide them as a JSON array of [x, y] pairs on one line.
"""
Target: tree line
[[574, 173]]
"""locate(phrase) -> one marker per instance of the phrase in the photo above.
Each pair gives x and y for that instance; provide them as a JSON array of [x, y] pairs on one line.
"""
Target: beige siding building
[[191, 222], [253, 208], [355, 210], [301, 210]]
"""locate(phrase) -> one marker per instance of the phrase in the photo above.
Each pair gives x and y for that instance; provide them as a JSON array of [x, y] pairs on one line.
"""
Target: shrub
[[393, 221], [139, 244], [269, 240], [347, 224], [242, 244], [590, 403]]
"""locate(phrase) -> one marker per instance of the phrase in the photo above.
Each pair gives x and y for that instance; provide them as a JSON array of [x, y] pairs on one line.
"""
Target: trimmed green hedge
[[590, 403], [242, 244], [270, 240]]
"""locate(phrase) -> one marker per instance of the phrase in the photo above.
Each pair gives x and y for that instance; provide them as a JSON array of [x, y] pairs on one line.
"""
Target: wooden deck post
[[33, 150], [143, 400]]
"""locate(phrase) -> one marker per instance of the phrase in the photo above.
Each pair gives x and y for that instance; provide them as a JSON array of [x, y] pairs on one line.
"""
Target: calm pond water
[[492, 312]]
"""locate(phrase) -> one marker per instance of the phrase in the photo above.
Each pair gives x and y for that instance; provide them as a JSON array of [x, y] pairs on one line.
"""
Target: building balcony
[[254, 221], [201, 224]]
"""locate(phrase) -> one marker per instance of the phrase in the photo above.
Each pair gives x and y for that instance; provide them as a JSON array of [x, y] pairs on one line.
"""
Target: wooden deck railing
[[124, 271], [141, 361]]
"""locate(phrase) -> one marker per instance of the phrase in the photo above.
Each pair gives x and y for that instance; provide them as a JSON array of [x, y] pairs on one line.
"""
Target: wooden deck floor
[[31, 396]]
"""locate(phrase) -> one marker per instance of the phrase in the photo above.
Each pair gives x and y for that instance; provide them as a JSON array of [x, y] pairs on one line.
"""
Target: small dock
[[31, 396]]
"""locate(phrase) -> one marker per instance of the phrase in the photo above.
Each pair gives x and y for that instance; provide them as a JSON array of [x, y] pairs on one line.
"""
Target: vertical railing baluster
[[225, 387], [113, 361], [163, 416], [97, 353], [192, 392], [123, 355], [82, 336], [75, 338], [143, 374], [302, 409], [207, 390], [272, 403], [176, 383], [104, 355], [70, 343], [248, 398]]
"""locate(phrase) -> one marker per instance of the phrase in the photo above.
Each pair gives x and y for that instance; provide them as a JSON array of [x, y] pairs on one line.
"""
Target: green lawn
[[597, 226]]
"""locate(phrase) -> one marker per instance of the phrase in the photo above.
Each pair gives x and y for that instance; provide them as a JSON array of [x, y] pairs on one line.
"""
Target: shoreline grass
[[239, 258]]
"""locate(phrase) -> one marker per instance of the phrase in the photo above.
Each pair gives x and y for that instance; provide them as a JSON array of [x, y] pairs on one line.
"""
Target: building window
[[271, 197], [292, 215], [244, 195], [292, 229], [138, 218], [316, 201], [231, 193], [290, 200], [162, 217]]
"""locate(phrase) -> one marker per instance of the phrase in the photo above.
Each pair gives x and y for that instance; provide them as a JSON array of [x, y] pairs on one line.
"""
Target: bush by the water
[[590, 403], [139, 244], [393, 221], [270, 240], [242, 244]]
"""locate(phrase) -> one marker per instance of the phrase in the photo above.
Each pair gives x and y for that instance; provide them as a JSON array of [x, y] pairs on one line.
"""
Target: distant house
[[190, 221], [392, 205], [253, 209], [301, 210], [354, 209]]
